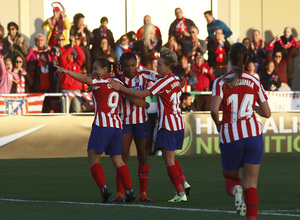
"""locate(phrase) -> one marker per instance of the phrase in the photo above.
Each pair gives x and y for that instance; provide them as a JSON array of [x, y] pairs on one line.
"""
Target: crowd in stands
[[25, 69]]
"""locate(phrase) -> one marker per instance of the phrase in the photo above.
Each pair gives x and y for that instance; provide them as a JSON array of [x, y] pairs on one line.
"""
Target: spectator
[[218, 53], [173, 45], [251, 52], [269, 79], [39, 47], [123, 46], [81, 28], [70, 60], [6, 76], [103, 31], [184, 71], [103, 50], [24, 81], [213, 25], [186, 102], [180, 28], [44, 80], [205, 76], [138, 62], [57, 24], [14, 44], [87, 54], [1, 38], [284, 44], [251, 69], [147, 20], [198, 45], [259, 48], [149, 45], [281, 62]]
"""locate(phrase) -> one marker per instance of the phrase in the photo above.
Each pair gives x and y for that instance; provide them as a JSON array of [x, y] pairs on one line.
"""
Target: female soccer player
[[135, 122], [106, 134], [240, 132], [170, 123]]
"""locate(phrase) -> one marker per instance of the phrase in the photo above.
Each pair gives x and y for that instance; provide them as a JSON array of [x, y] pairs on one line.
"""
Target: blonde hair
[[146, 35]]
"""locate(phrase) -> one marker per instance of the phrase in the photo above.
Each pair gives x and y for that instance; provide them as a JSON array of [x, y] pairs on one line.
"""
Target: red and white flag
[[21, 104]]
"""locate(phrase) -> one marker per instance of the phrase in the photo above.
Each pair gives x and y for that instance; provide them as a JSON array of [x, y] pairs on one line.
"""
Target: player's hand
[[96, 76], [114, 84], [147, 105], [72, 39], [60, 69]]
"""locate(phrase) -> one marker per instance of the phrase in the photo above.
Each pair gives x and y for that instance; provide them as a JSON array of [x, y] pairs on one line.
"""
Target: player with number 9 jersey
[[106, 101]]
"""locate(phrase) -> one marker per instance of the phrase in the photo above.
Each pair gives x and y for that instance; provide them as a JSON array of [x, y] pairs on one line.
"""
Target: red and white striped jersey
[[129, 112], [106, 101], [239, 120], [168, 93]]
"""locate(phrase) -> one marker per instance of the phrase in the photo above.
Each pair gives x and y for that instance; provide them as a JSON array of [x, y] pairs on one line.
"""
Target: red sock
[[98, 174], [251, 200], [231, 184], [143, 173], [180, 171], [124, 174], [120, 188], [175, 178]]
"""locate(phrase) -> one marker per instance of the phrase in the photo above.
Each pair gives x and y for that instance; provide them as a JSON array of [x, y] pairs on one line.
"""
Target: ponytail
[[238, 54]]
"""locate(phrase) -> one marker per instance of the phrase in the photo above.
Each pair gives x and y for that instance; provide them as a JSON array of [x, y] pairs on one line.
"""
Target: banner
[[280, 133], [21, 104]]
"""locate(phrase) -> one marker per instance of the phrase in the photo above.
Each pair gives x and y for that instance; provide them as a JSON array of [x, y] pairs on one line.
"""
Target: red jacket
[[66, 81]]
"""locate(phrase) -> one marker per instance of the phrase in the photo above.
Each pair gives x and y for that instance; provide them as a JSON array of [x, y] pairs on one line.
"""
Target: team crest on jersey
[[136, 88], [136, 80], [108, 86]]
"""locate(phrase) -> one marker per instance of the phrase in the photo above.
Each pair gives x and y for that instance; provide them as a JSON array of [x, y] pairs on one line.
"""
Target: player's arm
[[79, 77], [214, 110], [127, 91], [263, 109], [138, 101]]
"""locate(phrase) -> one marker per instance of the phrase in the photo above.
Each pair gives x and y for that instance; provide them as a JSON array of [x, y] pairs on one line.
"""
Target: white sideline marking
[[265, 212]]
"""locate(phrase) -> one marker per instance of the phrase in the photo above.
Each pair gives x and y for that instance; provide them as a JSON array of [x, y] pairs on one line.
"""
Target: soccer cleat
[[240, 206], [119, 198], [144, 198], [105, 194], [187, 189], [129, 196], [178, 198]]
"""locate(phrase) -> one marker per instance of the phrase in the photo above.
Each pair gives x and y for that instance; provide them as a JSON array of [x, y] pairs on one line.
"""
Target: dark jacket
[[212, 56], [97, 36]]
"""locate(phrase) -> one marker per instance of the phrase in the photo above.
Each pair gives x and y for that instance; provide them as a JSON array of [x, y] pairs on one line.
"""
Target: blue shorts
[[106, 139], [247, 150], [138, 131], [169, 140]]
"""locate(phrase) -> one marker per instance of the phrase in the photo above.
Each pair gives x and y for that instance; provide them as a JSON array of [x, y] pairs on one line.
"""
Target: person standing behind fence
[[14, 44], [106, 134], [218, 49], [214, 24], [180, 28], [240, 132], [71, 60], [57, 24]]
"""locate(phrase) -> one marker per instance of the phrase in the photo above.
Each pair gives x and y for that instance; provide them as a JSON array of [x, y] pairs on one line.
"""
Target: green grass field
[[65, 189]]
